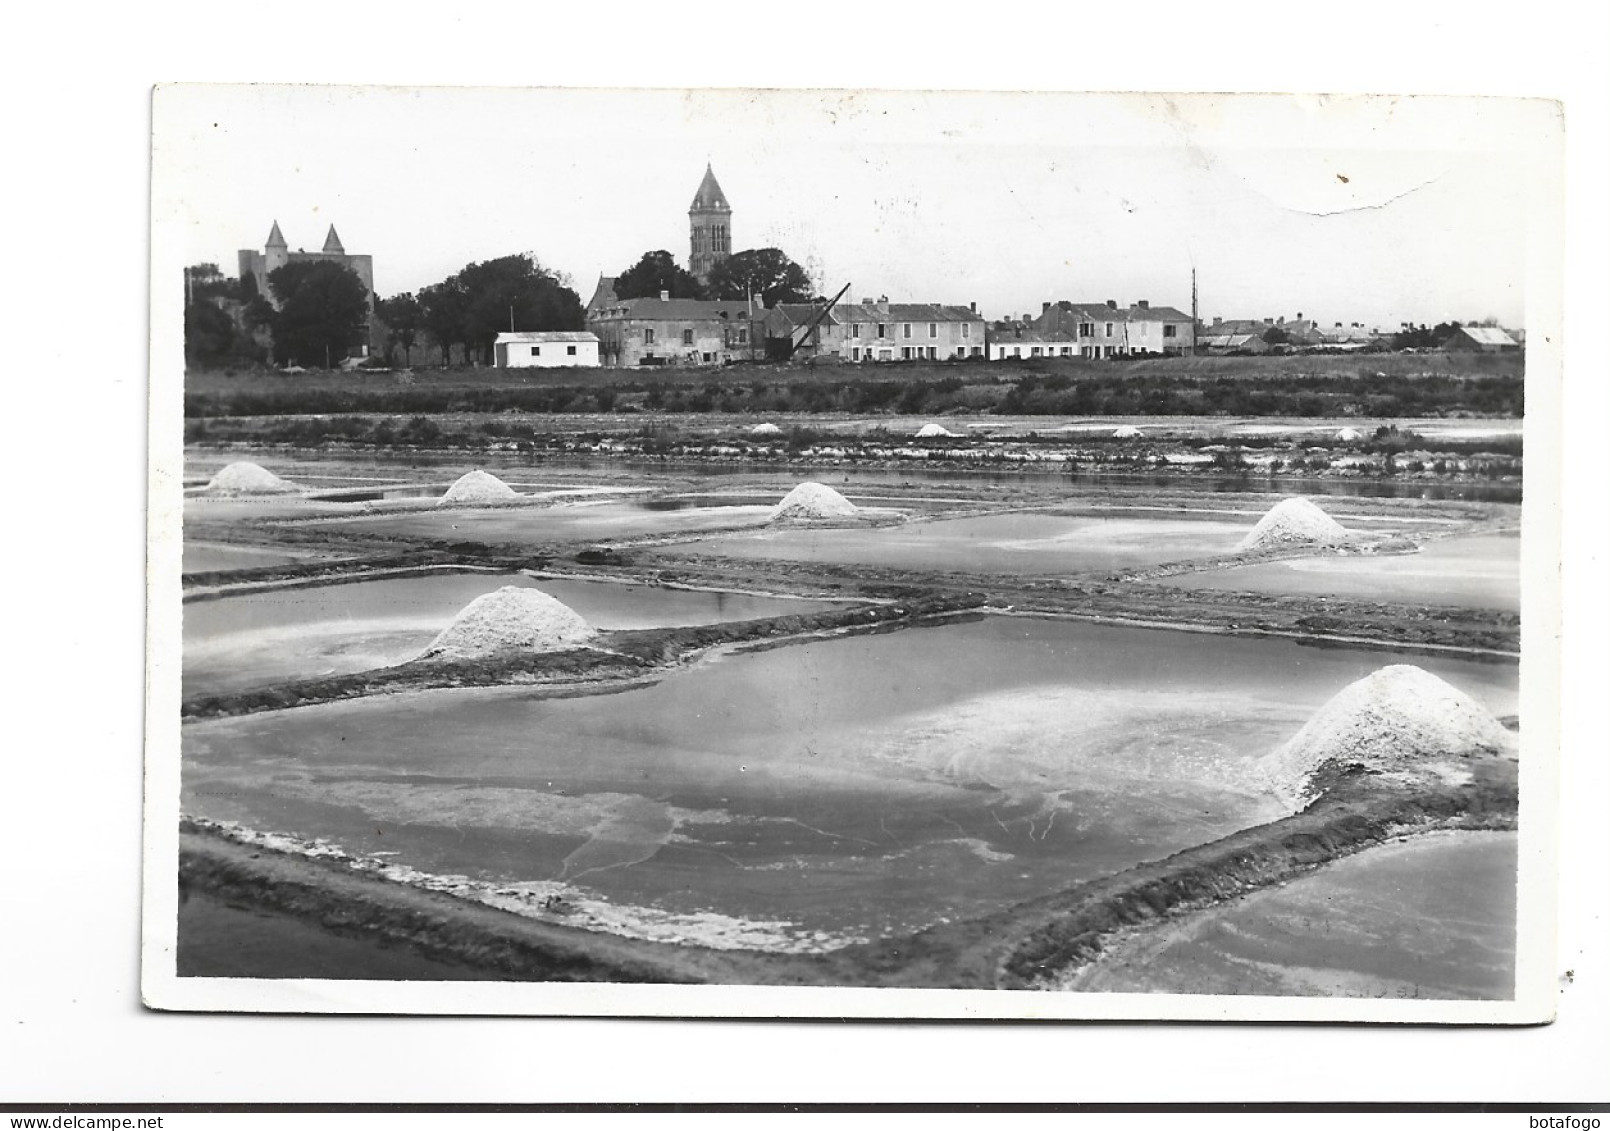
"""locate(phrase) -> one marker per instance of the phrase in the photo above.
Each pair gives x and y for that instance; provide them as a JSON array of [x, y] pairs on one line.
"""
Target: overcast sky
[[1374, 210]]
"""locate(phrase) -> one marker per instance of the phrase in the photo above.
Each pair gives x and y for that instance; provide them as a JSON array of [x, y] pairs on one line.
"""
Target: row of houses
[[666, 331]]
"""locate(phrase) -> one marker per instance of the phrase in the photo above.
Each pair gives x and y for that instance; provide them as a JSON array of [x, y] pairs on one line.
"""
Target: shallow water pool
[[803, 797], [1020, 543], [531, 525], [1481, 571], [1433, 917], [253, 639]]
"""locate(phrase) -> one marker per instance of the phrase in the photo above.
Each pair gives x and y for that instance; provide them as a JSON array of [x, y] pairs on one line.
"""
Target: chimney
[[973, 306], [1281, 321], [1045, 308], [1299, 316], [1217, 320], [866, 302], [665, 296], [1143, 304], [1112, 304]]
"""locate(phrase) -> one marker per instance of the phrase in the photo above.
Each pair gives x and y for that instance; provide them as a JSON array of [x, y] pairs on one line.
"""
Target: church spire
[[709, 197], [332, 243]]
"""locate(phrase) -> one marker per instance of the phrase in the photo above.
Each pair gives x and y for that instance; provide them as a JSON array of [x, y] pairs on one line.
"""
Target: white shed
[[545, 349]]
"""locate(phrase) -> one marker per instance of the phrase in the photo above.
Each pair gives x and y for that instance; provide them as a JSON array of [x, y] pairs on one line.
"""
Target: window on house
[[1034, 351], [743, 335], [687, 337], [882, 326], [905, 329], [570, 351], [648, 336], [855, 329], [933, 353], [1168, 331], [967, 329], [536, 351], [855, 354], [709, 357], [1087, 329], [905, 353], [933, 329], [1109, 329], [1017, 351]]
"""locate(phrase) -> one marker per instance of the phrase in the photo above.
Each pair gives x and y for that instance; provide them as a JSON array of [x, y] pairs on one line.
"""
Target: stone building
[[710, 227], [673, 331]]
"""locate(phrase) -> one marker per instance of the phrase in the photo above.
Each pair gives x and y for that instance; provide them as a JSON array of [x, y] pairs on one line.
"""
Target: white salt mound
[[1295, 522], [765, 430], [246, 478], [814, 500], [1397, 718], [512, 619], [478, 487], [1348, 435], [929, 430], [1126, 432]]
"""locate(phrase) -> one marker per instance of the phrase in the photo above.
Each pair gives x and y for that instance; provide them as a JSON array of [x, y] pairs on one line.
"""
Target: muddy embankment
[[1029, 946], [617, 656]]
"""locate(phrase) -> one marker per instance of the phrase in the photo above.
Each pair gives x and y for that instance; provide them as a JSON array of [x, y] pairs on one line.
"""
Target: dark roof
[[274, 237], [675, 310], [332, 243], [603, 293], [904, 312], [709, 195]]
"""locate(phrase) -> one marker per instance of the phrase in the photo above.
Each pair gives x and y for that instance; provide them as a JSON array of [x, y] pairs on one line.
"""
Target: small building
[[1481, 339], [673, 331], [545, 349], [1234, 343]]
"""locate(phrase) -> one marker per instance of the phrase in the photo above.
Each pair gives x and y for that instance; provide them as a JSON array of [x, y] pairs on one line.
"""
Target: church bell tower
[[710, 227]]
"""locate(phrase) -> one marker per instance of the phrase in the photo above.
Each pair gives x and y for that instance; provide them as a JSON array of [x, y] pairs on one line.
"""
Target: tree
[[203, 281], [657, 271], [1275, 336], [323, 311], [514, 292], [764, 271], [403, 317], [209, 333], [441, 310]]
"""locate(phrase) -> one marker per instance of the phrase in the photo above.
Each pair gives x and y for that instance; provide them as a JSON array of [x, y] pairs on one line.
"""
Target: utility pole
[[511, 317], [1195, 321]]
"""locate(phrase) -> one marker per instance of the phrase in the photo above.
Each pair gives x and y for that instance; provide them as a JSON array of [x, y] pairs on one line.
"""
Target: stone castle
[[258, 265]]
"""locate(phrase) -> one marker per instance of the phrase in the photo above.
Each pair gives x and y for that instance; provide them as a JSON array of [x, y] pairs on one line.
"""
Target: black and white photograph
[[853, 553]]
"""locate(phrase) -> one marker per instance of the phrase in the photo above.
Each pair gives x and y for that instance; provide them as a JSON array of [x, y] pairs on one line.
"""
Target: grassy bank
[[1313, 386]]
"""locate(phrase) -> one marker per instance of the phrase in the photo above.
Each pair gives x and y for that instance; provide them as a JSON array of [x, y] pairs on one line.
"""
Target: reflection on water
[[819, 793]]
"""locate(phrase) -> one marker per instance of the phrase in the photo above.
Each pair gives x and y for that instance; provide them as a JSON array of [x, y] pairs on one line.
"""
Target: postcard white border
[[1540, 672]]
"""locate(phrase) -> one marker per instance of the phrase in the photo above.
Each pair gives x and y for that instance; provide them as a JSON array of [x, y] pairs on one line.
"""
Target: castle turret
[[332, 243], [710, 227], [276, 252]]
